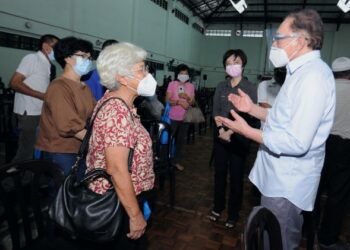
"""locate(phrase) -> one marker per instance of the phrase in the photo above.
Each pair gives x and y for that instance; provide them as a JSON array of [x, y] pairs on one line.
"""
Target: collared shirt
[[36, 70], [290, 160], [267, 91], [341, 126]]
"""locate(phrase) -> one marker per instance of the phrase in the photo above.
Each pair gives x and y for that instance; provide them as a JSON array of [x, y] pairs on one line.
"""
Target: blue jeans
[[65, 161]]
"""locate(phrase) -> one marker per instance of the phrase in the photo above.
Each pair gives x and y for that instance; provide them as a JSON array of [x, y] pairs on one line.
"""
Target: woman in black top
[[230, 149]]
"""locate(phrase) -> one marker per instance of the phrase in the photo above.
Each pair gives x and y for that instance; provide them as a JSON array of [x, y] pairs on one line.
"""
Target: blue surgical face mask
[[82, 65], [51, 56]]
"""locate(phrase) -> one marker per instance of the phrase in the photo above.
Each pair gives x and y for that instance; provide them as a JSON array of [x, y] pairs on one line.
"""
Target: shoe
[[214, 216], [179, 167], [340, 245], [230, 224]]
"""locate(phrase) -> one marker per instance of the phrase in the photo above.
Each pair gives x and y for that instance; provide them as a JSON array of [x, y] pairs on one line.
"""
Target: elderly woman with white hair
[[117, 130]]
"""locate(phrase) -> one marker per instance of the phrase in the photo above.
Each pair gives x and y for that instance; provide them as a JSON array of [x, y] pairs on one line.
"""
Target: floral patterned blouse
[[115, 126]]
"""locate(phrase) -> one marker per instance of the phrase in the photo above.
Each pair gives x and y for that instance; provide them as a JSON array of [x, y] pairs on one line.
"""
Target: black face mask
[[279, 75]]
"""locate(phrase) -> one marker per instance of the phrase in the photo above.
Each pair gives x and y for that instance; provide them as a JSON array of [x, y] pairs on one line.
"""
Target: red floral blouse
[[114, 126]]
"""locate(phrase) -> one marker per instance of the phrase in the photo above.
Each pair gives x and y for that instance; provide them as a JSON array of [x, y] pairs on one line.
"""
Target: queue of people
[[297, 109]]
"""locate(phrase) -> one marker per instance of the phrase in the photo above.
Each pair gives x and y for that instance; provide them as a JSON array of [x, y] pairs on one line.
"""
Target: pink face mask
[[234, 70]]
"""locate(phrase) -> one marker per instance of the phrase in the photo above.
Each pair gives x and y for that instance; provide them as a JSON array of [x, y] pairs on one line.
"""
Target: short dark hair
[[68, 46], [109, 42], [236, 53], [181, 67], [310, 21], [47, 38], [341, 74]]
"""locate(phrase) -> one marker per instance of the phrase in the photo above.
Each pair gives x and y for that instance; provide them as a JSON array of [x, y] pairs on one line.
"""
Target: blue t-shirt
[[95, 86]]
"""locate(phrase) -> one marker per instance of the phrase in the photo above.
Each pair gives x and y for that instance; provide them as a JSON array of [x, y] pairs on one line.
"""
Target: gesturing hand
[[241, 101], [239, 125]]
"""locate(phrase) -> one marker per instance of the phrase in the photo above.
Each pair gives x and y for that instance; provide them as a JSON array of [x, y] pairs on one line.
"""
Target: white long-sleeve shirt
[[290, 160]]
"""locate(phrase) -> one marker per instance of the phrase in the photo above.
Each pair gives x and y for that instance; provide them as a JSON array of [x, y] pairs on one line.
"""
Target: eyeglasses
[[278, 37], [85, 56], [144, 69]]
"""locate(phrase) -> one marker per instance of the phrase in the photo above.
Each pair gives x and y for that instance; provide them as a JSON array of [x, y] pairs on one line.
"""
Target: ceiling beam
[[188, 5], [260, 20], [275, 11], [295, 3], [223, 2]]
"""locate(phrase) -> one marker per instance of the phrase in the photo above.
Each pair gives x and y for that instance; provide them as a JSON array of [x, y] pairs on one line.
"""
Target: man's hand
[[137, 227], [17, 84], [241, 101], [238, 125]]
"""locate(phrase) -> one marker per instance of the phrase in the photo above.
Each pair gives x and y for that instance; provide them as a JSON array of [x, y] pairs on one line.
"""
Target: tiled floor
[[186, 226]]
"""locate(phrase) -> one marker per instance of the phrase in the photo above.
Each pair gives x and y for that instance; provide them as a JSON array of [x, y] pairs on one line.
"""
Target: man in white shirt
[[268, 90], [336, 172], [290, 159], [30, 82]]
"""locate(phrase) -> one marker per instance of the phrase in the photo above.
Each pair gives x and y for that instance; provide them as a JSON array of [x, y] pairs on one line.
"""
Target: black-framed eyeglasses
[[85, 56]]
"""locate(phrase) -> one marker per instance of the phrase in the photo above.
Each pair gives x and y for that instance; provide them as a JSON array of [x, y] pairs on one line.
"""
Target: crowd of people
[[299, 117]]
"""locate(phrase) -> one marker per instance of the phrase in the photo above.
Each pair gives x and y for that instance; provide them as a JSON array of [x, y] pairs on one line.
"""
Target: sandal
[[213, 216], [230, 224]]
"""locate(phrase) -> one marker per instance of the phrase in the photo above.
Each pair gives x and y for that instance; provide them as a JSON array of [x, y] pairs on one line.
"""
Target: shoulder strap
[[85, 142]]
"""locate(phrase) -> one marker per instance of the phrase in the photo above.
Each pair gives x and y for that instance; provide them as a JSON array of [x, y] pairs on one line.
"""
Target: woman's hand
[[225, 135], [241, 101], [239, 125], [137, 227], [183, 103]]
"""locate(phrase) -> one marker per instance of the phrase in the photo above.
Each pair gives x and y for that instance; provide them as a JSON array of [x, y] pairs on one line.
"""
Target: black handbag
[[83, 213]]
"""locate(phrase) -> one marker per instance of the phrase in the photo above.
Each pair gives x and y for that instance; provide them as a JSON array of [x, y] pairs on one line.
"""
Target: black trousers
[[229, 158], [179, 131], [336, 180]]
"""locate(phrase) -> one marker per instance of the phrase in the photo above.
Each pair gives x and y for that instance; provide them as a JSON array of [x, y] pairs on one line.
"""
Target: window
[[155, 65], [253, 33], [181, 16], [161, 3], [218, 32], [197, 27]]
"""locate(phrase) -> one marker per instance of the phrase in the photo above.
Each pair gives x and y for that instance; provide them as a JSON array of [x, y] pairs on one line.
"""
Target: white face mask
[[278, 57], [147, 86], [51, 56], [183, 77]]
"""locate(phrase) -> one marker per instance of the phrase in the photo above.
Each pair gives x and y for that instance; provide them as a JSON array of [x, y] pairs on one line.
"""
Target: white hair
[[118, 59]]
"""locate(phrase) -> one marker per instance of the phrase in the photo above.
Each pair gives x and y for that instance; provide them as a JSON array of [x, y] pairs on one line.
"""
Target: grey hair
[[118, 59]]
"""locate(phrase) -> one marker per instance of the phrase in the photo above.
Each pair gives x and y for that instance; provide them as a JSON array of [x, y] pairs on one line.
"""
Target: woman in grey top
[[230, 150]]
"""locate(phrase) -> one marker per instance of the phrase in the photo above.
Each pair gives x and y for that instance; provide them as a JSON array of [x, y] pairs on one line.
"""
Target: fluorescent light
[[240, 6], [344, 5]]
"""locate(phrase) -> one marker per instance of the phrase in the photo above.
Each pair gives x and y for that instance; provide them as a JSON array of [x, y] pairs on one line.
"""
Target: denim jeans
[[65, 161]]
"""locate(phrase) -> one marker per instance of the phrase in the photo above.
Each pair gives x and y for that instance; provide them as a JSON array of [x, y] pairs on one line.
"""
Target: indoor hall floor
[[186, 226]]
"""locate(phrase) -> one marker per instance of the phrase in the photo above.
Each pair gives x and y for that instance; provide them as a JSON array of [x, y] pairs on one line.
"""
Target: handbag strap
[[83, 150]]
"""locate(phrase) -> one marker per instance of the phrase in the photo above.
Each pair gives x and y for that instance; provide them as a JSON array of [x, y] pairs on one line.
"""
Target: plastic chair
[[260, 224], [162, 155], [26, 189]]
